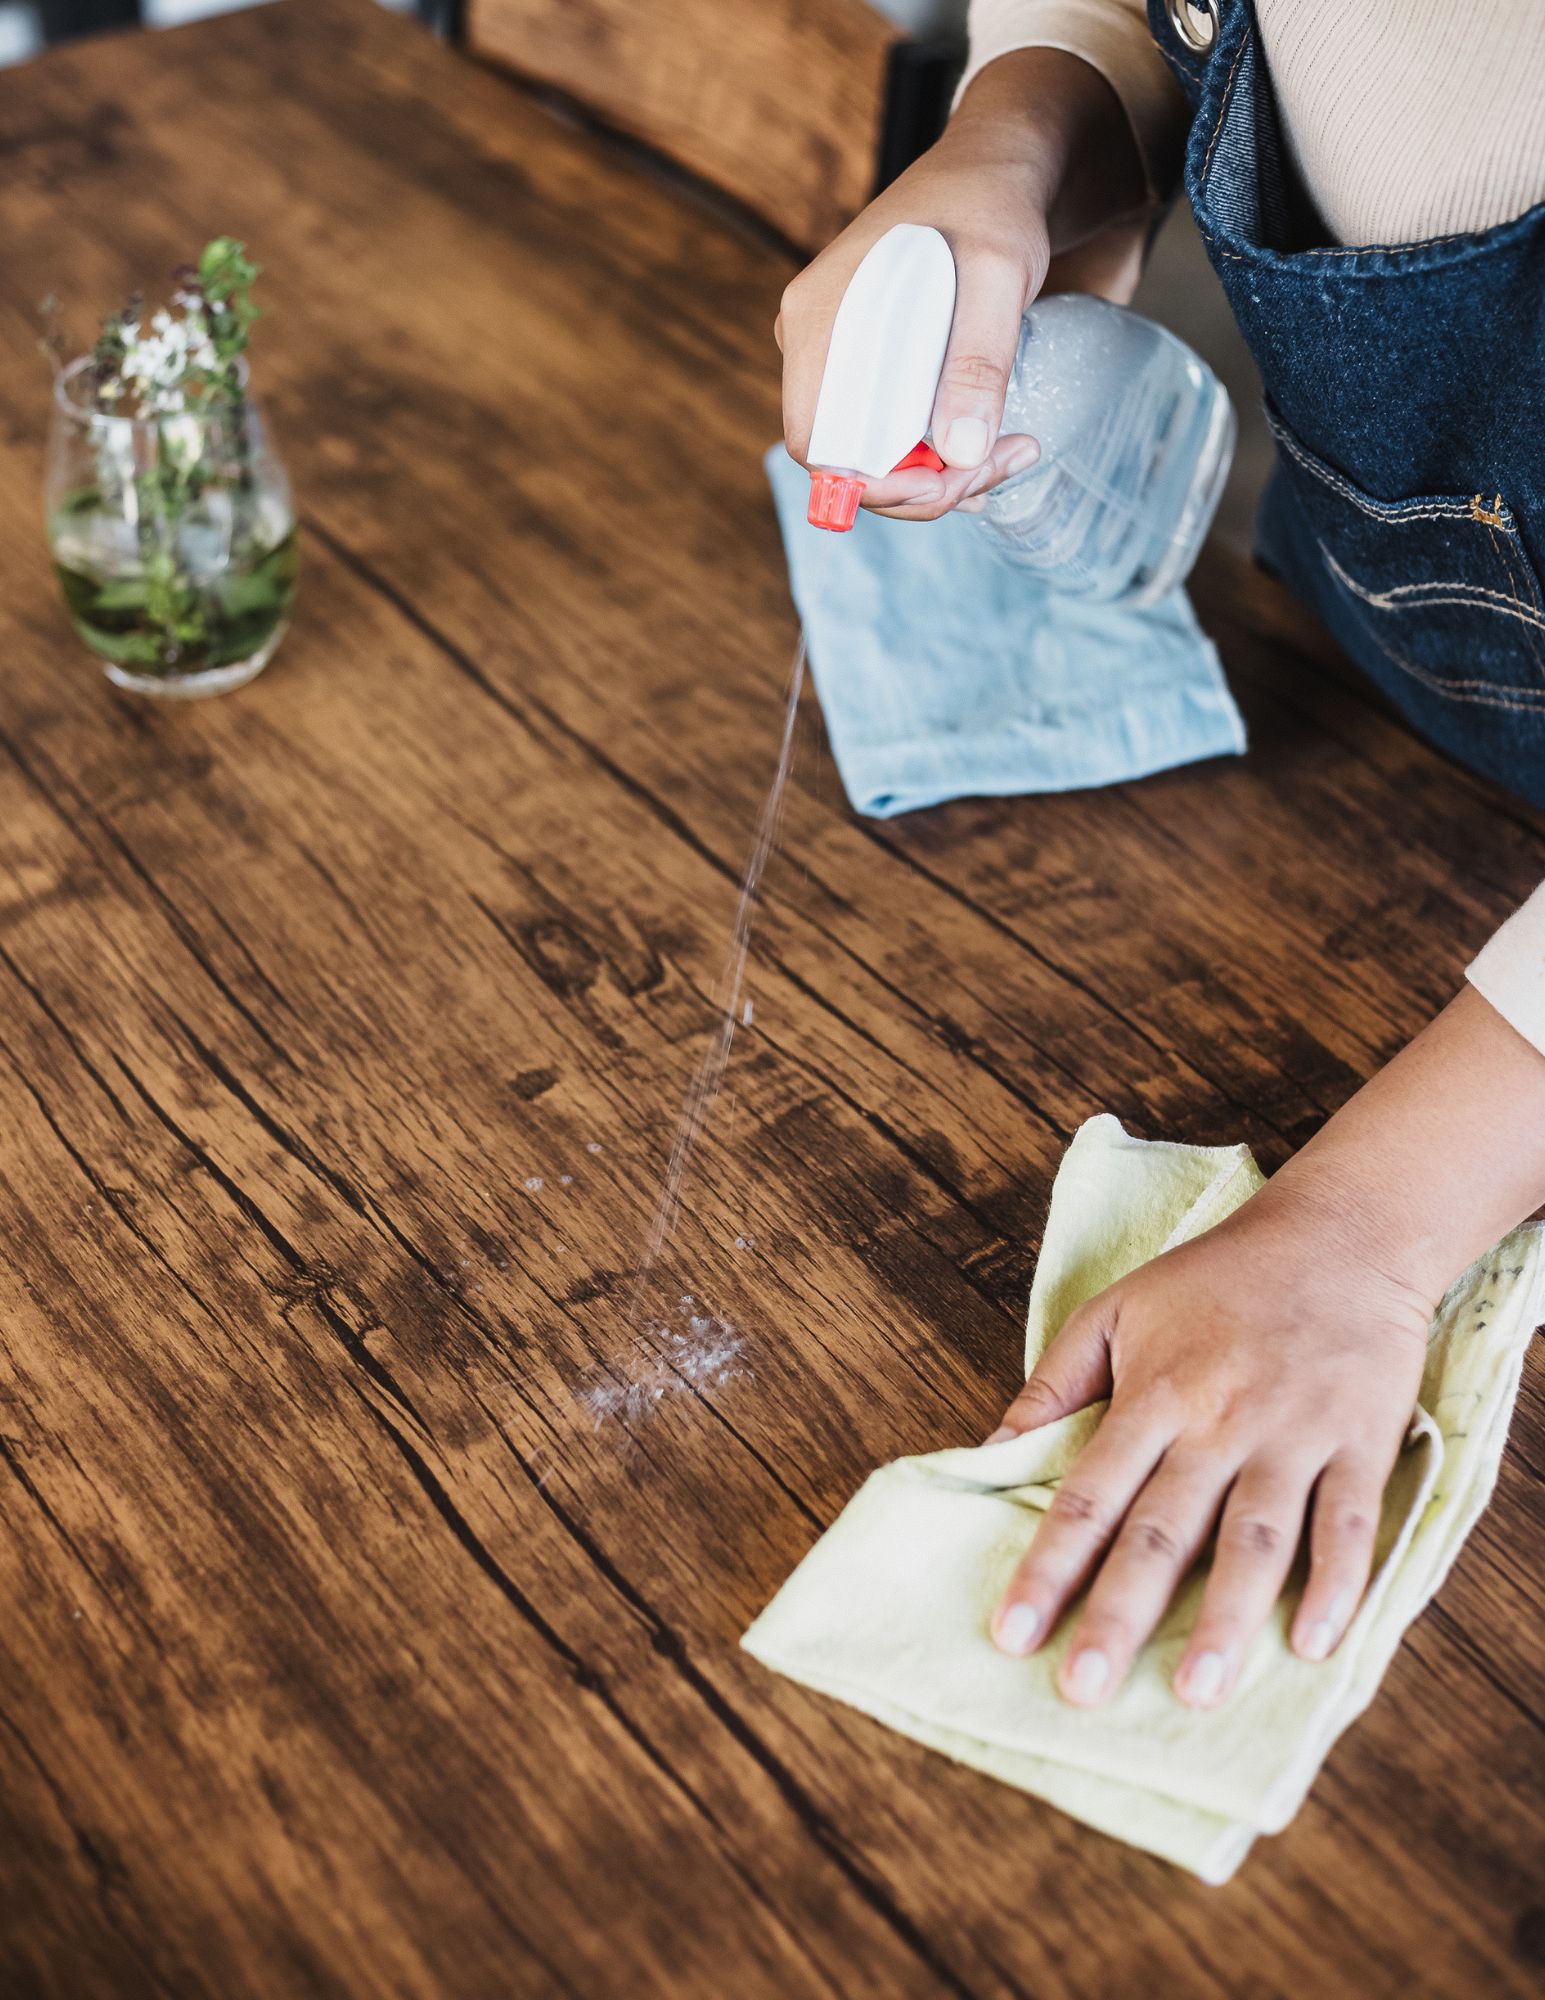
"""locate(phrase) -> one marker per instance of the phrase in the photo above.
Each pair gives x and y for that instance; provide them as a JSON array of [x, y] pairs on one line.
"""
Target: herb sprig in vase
[[169, 513]]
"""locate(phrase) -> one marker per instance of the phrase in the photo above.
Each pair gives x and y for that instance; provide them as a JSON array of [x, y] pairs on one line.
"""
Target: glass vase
[[173, 537]]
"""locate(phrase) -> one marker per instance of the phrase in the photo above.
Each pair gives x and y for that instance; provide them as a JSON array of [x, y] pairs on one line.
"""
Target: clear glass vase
[[173, 537]]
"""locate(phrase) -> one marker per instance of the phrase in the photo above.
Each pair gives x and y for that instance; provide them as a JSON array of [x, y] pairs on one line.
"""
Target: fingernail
[[1201, 1681], [965, 442], [1003, 1431], [1087, 1676], [1017, 456], [1017, 1628], [1322, 1635], [1318, 1640]]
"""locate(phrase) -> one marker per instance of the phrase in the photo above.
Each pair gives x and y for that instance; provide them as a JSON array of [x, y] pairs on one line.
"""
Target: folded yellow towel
[[890, 1609]]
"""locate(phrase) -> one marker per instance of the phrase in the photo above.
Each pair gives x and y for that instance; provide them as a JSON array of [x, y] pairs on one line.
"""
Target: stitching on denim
[[1398, 511], [1228, 92], [1228, 256], [1385, 249], [1482, 694], [1494, 516], [1529, 575], [1441, 590], [1427, 596], [1536, 617], [1389, 250]]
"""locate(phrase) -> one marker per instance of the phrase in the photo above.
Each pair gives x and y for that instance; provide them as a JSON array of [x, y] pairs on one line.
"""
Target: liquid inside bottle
[[1136, 434]]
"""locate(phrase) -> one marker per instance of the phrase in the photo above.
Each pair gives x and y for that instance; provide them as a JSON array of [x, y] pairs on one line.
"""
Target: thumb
[[989, 308], [1073, 1372]]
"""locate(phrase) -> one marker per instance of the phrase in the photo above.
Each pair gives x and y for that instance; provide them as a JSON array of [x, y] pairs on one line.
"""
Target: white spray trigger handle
[[886, 354]]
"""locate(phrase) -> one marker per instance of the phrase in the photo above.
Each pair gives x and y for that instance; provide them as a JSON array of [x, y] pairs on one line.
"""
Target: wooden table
[[361, 1634]]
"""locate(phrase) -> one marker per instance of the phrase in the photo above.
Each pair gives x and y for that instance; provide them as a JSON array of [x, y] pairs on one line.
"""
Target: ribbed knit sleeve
[[1404, 118]]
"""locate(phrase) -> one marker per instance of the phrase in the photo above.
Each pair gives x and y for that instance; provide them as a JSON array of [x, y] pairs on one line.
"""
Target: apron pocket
[[1441, 585]]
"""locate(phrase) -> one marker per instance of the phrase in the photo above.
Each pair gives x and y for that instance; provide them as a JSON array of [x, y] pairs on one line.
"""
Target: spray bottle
[[1136, 431]]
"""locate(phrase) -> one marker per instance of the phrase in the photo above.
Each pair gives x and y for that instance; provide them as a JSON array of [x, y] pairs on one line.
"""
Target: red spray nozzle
[[834, 496]]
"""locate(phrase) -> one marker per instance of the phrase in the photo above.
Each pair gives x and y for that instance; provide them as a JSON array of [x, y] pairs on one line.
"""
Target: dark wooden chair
[[797, 111], [800, 112]]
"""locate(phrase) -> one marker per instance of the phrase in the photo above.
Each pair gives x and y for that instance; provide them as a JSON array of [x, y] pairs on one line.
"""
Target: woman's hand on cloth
[[1262, 1376]]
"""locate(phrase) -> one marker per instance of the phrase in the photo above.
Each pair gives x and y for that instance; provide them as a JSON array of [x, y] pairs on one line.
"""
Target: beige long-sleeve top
[[1404, 119]]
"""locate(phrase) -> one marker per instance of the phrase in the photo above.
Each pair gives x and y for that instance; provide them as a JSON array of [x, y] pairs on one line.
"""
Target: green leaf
[[130, 649], [240, 596], [127, 594], [79, 500]]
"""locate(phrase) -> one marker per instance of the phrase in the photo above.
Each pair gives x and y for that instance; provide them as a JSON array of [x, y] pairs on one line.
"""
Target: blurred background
[[26, 25], [1178, 288]]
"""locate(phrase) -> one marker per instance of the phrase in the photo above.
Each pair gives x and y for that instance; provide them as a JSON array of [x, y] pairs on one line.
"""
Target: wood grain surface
[[777, 101], [360, 1633]]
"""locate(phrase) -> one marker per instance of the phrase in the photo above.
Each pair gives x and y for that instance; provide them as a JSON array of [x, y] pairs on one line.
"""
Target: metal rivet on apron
[[1195, 23]]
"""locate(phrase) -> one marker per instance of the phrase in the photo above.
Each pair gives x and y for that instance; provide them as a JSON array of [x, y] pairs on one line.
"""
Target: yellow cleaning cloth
[[890, 1609]]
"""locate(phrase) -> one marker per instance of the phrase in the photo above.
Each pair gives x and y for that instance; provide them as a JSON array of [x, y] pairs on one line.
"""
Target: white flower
[[183, 437], [158, 363]]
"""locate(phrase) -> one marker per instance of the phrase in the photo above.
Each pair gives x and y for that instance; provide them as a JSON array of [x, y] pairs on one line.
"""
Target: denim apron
[[1405, 387]]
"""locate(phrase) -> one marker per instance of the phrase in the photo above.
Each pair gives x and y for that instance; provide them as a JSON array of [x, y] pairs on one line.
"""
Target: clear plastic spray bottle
[[1136, 431]]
